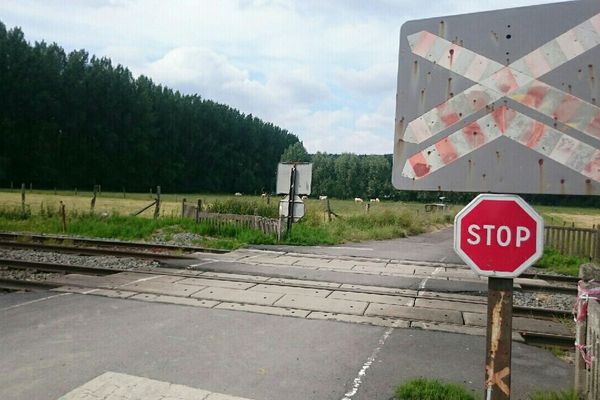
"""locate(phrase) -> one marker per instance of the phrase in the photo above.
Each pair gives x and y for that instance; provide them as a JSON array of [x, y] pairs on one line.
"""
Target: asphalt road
[[51, 346], [432, 247]]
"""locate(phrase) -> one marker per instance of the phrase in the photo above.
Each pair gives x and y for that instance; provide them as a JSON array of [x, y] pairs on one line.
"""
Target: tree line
[[369, 176], [75, 120], [71, 120]]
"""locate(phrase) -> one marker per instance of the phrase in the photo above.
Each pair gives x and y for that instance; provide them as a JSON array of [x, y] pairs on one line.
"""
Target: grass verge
[[431, 389], [554, 261], [314, 229]]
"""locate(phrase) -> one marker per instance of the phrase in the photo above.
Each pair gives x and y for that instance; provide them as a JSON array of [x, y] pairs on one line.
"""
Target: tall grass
[[244, 207], [385, 220]]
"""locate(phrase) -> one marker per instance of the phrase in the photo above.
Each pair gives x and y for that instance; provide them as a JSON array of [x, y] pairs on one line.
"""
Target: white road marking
[[423, 283], [117, 386], [363, 371], [33, 301]]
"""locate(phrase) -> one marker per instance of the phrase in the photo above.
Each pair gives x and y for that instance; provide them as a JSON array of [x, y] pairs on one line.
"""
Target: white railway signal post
[[500, 102]]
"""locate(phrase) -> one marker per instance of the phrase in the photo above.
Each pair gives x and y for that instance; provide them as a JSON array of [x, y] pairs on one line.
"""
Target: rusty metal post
[[499, 339], [580, 340]]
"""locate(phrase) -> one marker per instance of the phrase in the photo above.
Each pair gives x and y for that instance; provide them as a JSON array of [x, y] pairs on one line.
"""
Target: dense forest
[[71, 120], [74, 120]]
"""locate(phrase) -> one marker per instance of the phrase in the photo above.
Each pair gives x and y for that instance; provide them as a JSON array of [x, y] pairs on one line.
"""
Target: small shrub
[[243, 207], [553, 260], [431, 389]]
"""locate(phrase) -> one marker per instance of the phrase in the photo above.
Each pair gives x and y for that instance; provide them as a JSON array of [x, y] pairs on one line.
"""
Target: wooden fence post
[[280, 228], [23, 198], [93, 202], [328, 211], [157, 206], [123, 191], [183, 208], [198, 210], [63, 215]]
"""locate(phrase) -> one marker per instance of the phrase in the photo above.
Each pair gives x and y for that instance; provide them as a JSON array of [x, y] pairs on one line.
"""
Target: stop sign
[[498, 235]]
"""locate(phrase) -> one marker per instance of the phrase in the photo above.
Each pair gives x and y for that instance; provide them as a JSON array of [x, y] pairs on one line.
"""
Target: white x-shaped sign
[[518, 82]]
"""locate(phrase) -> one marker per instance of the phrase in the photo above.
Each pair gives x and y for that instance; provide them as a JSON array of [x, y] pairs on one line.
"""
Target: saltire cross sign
[[470, 119]]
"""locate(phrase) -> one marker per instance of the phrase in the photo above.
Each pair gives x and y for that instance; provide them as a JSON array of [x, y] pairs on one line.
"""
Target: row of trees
[[71, 120], [369, 176]]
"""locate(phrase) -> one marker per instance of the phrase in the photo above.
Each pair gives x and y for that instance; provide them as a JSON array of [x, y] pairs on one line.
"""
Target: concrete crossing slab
[[215, 283], [451, 305], [360, 319], [237, 296], [223, 275], [373, 298], [305, 282], [291, 290], [379, 289], [284, 312], [172, 289], [325, 305], [453, 296], [413, 313], [186, 301]]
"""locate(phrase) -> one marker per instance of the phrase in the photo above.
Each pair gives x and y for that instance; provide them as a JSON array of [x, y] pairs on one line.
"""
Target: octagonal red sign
[[498, 235]]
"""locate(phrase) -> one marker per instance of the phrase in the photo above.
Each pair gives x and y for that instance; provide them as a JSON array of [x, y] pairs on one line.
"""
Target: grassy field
[[112, 219]]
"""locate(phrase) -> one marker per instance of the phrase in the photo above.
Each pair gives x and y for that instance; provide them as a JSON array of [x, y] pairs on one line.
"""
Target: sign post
[[498, 236], [506, 112], [293, 179]]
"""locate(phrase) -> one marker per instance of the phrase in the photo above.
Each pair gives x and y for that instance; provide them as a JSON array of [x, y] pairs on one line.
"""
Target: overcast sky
[[323, 69]]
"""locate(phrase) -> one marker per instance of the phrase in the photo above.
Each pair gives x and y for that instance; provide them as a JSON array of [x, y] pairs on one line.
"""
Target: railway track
[[18, 284], [8, 239], [62, 244], [87, 250]]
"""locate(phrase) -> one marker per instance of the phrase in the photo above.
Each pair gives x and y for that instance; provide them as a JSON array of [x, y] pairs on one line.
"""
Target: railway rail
[[59, 241], [20, 284], [64, 244]]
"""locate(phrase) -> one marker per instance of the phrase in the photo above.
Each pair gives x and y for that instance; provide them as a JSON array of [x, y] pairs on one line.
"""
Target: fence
[[587, 356], [267, 226], [580, 242]]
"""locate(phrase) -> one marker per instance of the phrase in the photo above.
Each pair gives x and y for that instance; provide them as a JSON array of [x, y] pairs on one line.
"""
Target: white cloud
[[324, 70], [376, 79]]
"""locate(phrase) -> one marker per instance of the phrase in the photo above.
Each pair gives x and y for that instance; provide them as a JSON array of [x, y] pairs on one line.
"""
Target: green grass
[[431, 389], [385, 220], [554, 261]]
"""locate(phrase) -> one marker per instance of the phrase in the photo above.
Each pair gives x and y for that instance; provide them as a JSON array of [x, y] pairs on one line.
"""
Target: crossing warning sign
[[503, 101]]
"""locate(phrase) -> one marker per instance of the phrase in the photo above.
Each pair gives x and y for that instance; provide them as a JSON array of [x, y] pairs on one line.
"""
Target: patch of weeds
[[569, 394], [243, 207], [431, 389], [561, 353], [554, 261]]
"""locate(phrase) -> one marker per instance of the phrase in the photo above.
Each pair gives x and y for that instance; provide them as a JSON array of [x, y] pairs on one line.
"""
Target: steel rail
[[56, 267], [20, 284], [15, 236], [93, 250]]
